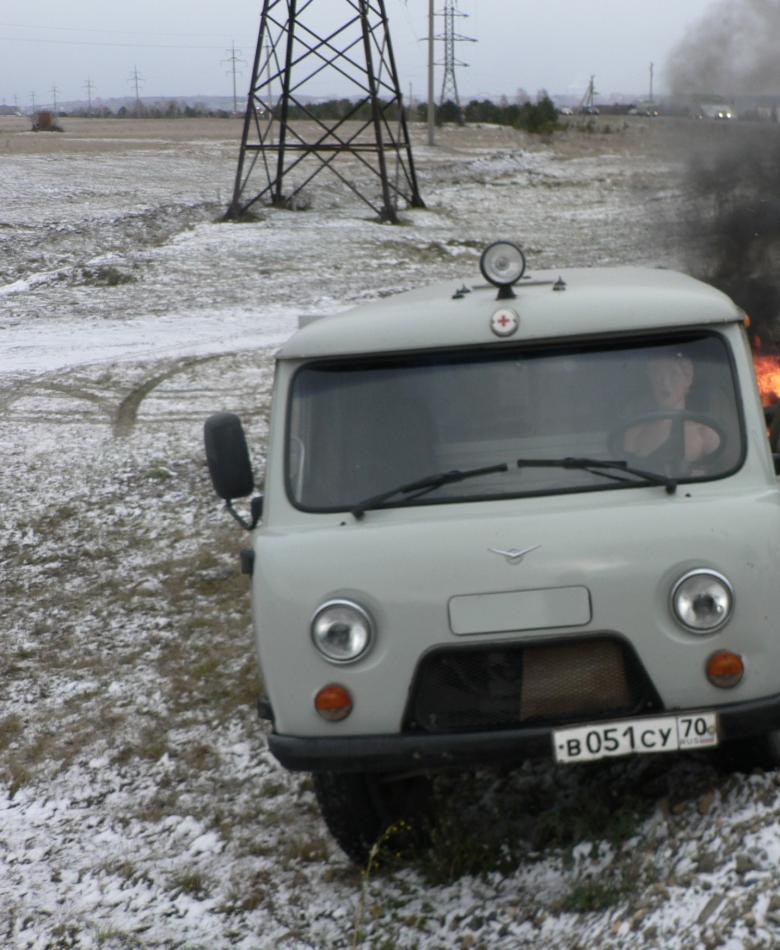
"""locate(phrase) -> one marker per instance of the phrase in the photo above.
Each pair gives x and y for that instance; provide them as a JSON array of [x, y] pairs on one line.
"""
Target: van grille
[[514, 685]]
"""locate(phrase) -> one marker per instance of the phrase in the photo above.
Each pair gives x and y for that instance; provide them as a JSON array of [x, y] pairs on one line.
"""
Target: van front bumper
[[404, 752]]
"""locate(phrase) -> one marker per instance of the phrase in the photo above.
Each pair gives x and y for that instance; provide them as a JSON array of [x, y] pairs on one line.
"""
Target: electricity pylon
[[281, 130], [588, 101], [449, 85]]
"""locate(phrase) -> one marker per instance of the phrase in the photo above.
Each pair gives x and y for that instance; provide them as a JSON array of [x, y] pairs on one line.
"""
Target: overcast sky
[[179, 46]]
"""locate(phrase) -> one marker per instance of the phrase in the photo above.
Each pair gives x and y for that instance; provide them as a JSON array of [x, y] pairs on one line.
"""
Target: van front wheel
[[362, 810], [769, 749]]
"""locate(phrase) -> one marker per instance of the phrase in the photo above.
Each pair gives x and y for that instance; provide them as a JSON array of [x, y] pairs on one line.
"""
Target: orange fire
[[768, 376]]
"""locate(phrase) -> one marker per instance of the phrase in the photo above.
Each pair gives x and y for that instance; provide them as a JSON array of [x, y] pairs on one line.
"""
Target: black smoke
[[732, 229], [732, 50]]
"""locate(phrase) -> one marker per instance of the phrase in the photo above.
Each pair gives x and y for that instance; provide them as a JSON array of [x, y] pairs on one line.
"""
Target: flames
[[768, 375]]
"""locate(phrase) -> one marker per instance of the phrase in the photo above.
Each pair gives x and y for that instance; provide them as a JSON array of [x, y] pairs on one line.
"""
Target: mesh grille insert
[[514, 685]]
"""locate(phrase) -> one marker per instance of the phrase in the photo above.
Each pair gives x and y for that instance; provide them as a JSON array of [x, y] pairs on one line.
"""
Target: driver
[[660, 441]]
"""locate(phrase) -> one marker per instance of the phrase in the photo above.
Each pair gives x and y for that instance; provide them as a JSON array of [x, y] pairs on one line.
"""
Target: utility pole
[[136, 80], [32, 97], [651, 82], [234, 60], [588, 103], [431, 106], [89, 86], [54, 99], [449, 86]]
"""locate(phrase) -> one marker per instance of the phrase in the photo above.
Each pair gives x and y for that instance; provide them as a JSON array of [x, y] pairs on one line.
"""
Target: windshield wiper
[[593, 466], [423, 485]]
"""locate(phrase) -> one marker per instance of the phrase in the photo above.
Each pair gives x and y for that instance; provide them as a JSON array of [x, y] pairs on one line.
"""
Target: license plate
[[660, 734]]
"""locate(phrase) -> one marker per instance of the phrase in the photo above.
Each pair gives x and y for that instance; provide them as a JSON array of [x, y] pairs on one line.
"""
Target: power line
[[87, 29], [37, 39]]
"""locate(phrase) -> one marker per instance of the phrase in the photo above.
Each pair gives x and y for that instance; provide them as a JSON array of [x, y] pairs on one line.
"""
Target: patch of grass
[[200, 756], [105, 275], [159, 473], [272, 788], [210, 680], [457, 850], [190, 882], [252, 896], [151, 744], [307, 850], [18, 776], [260, 848], [491, 822], [61, 513], [241, 217], [122, 868], [113, 937], [598, 893], [10, 729], [589, 817], [163, 804]]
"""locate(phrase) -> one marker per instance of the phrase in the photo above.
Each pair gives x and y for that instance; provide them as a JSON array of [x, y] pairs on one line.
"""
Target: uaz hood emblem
[[513, 555]]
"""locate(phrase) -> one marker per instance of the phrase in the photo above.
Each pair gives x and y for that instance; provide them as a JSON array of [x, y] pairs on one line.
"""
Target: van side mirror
[[229, 466], [228, 456]]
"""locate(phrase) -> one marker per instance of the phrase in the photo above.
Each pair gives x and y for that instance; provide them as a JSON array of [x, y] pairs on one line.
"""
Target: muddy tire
[[767, 750], [744, 755], [361, 809]]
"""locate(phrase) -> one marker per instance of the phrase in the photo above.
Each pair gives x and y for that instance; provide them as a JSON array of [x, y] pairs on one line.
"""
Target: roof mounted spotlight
[[502, 264]]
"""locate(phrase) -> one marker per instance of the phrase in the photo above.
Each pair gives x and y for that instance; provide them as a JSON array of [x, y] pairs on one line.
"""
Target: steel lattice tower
[[449, 85], [281, 133]]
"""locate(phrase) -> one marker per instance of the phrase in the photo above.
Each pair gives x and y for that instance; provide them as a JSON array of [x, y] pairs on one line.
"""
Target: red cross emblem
[[504, 322]]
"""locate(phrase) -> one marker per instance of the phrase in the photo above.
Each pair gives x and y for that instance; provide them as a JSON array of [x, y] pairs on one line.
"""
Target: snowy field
[[139, 806]]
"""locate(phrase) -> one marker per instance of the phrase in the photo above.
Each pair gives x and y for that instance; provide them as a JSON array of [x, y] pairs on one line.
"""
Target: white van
[[510, 516]]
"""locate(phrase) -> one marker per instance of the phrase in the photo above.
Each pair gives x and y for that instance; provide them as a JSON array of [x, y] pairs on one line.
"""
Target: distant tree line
[[538, 117], [143, 110], [541, 116]]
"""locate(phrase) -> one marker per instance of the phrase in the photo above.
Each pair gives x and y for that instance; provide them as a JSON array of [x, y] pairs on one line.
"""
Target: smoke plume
[[733, 225], [733, 218], [732, 50]]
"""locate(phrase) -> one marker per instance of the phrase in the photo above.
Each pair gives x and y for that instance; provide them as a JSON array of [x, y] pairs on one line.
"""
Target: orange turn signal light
[[725, 669], [333, 702]]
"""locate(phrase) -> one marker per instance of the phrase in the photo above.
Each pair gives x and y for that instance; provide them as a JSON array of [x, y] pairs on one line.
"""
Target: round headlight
[[502, 263], [702, 601], [342, 631]]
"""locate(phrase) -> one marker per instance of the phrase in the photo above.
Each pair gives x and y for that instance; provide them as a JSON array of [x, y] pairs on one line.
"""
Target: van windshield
[[359, 428]]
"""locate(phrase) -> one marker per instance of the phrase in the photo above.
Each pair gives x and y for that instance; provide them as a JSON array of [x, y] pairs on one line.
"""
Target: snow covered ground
[[139, 806]]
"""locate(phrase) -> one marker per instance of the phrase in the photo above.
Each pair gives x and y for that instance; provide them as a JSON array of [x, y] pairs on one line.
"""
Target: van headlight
[[702, 601], [342, 631]]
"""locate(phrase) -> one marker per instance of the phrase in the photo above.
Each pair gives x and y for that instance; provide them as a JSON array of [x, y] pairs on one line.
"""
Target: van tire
[[769, 750], [744, 755], [361, 808]]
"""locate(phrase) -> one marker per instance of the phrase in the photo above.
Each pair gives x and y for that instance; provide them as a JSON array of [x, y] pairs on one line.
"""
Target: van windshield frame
[[357, 427]]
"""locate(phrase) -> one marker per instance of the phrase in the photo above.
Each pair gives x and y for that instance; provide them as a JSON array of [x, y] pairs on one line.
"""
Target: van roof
[[594, 301]]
